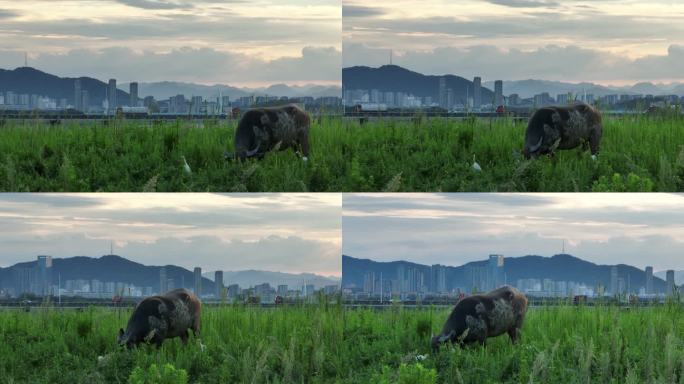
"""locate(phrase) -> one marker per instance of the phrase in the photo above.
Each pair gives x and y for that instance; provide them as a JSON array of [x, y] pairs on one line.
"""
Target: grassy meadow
[[637, 154], [329, 344]]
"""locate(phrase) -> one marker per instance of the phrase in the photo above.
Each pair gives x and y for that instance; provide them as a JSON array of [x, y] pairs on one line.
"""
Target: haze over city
[[602, 41], [292, 233], [453, 229], [253, 43]]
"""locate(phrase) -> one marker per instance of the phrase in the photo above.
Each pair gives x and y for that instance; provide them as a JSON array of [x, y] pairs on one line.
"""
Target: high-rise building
[[85, 101], [495, 273], [498, 93], [442, 92], [77, 94], [401, 278], [197, 273], [133, 91], [450, 98], [163, 281], [195, 105], [308, 289], [614, 289], [369, 282], [438, 283], [282, 289], [233, 290], [218, 282], [477, 92], [669, 282], [649, 280], [44, 274], [111, 95]]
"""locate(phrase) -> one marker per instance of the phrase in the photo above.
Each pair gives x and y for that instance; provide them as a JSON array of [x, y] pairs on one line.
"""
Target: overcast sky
[[276, 232], [605, 41], [453, 229], [253, 42]]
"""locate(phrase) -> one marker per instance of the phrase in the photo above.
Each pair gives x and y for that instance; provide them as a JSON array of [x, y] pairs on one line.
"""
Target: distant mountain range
[[529, 88], [119, 269], [27, 80], [679, 276], [561, 267], [397, 79], [165, 89], [250, 278]]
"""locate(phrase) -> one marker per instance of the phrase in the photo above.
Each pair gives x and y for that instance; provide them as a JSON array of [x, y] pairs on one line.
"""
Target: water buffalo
[[477, 317], [565, 127], [270, 129], [161, 317]]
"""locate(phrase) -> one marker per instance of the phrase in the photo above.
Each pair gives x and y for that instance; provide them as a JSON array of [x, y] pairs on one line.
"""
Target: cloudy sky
[[250, 43], [276, 232], [604, 41], [452, 229]]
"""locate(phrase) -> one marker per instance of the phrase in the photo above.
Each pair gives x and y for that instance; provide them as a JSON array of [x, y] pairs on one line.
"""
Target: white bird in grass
[[186, 167], [476, 167]]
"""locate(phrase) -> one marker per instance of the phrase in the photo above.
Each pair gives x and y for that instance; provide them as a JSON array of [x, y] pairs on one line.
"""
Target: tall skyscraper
[[442, 92], [438, 279], [649, 280], [133, 91], [85, 101], [218, 282], [495, 271], [669, 281], [477, 92], [401, 278], [44, 272], [369, 282], [163, 281], [498, 93], [77, 94], [614, 289], [111, 94], [197, 272]]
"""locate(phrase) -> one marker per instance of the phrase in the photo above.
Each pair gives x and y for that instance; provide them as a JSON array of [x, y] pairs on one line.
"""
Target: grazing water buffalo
[[270, 129], [477, 317], [161, 317], [565, 127]]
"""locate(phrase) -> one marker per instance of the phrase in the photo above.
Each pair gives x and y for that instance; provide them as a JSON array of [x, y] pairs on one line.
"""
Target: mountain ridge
[[120, 269], [560, 267], [28, 80], [396, 78]]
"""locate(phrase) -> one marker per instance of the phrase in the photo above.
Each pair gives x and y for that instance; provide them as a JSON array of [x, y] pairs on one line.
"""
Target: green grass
[[637, 154], [327, 344]]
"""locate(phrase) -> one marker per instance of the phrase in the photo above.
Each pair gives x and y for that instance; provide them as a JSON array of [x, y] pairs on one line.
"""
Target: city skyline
[[607, 42], [243, 43], [453, 230], [293, 233]]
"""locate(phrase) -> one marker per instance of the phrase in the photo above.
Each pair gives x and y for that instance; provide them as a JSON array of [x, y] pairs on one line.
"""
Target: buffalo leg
[[514, 335], [304, 143], [594, 140]]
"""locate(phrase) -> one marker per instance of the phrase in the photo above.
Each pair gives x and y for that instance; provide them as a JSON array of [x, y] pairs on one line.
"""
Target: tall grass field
[[330, 344], [637, 154]]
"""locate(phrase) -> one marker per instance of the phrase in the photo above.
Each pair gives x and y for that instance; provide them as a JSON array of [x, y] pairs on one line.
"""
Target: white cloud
[[452, 229], [599, 40], [282, 232]]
